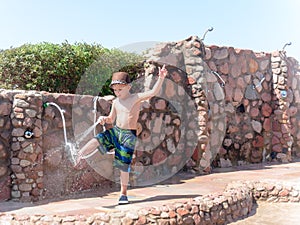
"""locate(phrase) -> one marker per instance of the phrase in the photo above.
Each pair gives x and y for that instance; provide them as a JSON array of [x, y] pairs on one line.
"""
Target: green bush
[[64, 68], [97, 77]]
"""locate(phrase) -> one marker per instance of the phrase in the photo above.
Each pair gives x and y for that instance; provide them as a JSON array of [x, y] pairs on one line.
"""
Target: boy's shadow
[[171, 198], [177, 178]]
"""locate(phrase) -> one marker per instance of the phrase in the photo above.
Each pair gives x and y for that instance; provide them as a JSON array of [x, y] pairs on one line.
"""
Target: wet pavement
[[180, 187], [272, 214]]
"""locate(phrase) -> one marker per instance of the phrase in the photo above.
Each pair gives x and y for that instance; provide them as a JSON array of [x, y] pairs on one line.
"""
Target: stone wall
[[254, 117], [206, 92], [234, 203], [167, 128], [60, 177], [26, 155], [39, 166], [5, 140], [232, 106], [260, 102]]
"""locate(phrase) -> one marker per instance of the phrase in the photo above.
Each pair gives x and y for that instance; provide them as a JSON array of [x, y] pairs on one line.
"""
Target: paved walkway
[[272, 214], [181, 186]]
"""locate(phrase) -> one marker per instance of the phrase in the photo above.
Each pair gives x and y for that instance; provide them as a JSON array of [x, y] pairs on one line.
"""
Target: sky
[[259, 25]]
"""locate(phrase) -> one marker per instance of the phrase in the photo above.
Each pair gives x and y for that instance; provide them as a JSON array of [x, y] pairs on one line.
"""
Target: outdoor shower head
[[289, 43], [208, 30]]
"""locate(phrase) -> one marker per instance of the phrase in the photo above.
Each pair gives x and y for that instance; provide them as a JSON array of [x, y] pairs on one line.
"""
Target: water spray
[[71, 147], [95, 100], [93, 127]]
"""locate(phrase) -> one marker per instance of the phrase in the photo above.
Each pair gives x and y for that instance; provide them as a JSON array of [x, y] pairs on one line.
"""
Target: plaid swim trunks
[[122, 141]]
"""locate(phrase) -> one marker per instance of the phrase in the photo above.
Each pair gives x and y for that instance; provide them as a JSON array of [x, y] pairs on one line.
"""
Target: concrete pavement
[[180, 187]]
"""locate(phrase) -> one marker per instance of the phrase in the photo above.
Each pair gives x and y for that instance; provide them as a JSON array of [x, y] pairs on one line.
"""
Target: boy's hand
[[102, 120], [162, 72]]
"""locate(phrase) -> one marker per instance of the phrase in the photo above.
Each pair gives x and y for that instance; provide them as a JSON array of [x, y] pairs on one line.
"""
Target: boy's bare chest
[[126, 105]]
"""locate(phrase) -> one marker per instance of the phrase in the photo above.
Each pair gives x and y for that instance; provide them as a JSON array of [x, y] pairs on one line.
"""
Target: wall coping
[[234, 203]]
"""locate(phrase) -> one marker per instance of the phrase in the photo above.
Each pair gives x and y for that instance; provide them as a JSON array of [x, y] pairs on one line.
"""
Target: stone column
[[209, 98], [282, 139], [5, 130], [26, 147]]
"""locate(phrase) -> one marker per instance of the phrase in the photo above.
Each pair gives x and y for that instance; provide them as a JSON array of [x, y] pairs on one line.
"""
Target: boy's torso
[[127, 112]]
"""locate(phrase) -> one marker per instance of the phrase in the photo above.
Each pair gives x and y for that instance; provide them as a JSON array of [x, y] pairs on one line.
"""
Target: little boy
[[124, 114]]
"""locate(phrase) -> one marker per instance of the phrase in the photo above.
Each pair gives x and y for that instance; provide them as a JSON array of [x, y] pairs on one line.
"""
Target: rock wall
[[61, 178], [35, 163], [167, 127], [261, 100], [234, 203], [250, 119], [293, 97], [219, 106], [5, 139]]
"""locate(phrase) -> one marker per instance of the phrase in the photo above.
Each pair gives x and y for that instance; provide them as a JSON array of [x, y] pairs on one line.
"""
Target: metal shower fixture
[[218, 75], [289, 43], [208, 30]]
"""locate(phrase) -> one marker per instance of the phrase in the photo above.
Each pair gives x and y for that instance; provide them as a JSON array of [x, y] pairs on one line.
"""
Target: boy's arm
[[110, 119], [156, 88]]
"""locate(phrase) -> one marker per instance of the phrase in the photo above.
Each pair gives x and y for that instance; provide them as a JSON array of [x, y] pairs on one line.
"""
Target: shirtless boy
[[124, 115]]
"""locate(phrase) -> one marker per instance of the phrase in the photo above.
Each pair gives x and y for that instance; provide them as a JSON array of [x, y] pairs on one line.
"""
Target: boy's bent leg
[[87, 149]]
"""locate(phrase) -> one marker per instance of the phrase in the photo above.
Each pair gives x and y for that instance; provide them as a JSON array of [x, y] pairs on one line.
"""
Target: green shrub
[[63, 68], [97, 77]]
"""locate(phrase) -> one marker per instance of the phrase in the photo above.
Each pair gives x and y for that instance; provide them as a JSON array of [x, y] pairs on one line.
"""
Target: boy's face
[[121, 90]]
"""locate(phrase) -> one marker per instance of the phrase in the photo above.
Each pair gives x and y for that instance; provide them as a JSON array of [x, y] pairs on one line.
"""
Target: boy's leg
[[124, 178], [87, 149]]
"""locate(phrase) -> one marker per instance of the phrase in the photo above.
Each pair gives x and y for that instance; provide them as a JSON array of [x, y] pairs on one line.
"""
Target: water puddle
[[272, 214]]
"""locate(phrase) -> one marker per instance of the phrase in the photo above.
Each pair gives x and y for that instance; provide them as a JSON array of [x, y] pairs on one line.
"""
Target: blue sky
[[260, 25]]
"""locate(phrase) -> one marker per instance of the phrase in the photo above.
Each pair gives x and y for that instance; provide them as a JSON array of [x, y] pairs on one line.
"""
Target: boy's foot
[[123, 200]]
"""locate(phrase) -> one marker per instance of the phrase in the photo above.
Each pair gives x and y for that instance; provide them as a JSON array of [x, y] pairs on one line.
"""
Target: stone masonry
[[5, 139], [236, 107], [26, 154], [234, 203]]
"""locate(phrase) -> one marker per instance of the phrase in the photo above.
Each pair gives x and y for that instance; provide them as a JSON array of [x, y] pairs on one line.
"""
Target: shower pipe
[[68, 145]]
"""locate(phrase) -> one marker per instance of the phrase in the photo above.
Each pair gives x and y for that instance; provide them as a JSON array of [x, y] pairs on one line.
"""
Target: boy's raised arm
[[156, 88]]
